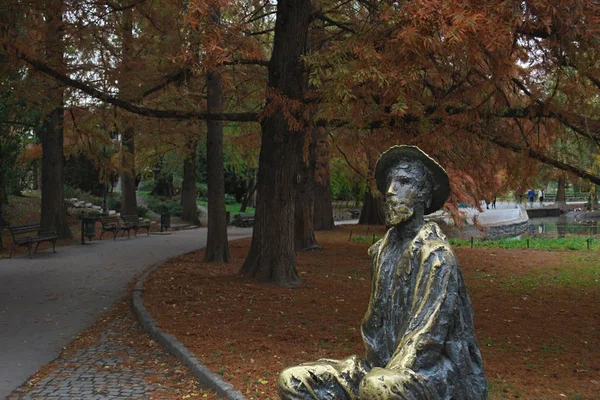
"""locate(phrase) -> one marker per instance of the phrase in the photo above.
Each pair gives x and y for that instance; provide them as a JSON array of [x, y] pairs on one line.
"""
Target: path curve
[[170, 343], [49, 299]]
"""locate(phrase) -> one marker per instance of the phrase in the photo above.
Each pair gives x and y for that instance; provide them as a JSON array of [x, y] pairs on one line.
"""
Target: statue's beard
[[398, 213]]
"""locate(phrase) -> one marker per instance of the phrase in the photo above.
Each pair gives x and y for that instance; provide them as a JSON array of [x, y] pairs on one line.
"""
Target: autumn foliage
[[492, 89]]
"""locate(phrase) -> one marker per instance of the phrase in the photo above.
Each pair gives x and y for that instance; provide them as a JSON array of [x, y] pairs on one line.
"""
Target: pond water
[[564, 226]]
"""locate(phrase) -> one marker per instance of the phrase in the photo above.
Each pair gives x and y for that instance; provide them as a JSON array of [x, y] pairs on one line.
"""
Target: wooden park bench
[[27, 235], [135, 224], [113, 224], [243, 220]]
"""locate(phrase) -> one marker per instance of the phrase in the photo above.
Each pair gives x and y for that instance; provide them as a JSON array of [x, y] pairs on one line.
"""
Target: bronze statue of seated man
[[418, 329]]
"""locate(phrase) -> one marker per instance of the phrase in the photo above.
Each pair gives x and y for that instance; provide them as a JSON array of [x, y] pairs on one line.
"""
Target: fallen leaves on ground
[[539, 338]]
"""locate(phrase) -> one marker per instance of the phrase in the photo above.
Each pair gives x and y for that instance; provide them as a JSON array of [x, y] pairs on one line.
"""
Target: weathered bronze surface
[[418, 329]]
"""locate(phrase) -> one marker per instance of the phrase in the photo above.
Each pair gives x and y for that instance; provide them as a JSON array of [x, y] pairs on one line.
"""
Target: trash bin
[[165, 221], [88, 228]]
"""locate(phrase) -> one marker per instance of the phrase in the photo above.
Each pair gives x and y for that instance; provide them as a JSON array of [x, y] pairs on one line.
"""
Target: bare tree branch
[[595, 81], [337, 24], [531, 153], [256, 18], [145, 111], [264, 32], [175, 77], [115, 7], [12, 122], [575, 126], [185, 72], [345, 157]]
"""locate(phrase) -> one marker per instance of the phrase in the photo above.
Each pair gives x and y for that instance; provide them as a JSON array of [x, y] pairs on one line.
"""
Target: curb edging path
[[206, 377]]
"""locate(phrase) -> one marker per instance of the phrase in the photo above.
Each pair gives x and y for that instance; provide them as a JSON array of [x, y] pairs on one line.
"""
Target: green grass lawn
[[571, 243], [231, 208]]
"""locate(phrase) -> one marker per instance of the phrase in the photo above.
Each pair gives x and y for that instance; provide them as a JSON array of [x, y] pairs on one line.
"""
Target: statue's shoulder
[[431, 231], [432, 241], [374, 249]]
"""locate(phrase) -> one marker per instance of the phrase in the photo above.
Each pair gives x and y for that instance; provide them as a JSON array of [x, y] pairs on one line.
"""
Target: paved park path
[[46, 301]]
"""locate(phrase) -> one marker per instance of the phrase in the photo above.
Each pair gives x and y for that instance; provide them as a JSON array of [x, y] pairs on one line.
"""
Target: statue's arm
[[432, 308], [374, 332]]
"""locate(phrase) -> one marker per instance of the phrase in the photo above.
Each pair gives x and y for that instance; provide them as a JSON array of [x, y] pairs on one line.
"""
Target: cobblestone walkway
[[113, 360]]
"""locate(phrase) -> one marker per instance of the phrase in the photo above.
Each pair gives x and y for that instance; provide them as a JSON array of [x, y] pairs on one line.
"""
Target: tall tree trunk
[[323, 214], [36, 175], [217, 246], [304, 235], [251, 184], [561, 194], [128, 195], [163, 186], [163, 181], [253, 199], [128, 187], [53, 213], [372, 212], [272, 257], [323, 209], [188, 186], [593, 198], [2, 206], [593, 187], [3, 191]]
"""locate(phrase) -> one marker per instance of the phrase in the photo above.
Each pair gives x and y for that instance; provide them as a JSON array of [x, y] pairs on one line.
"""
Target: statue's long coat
[[418, 332], [420, 318]]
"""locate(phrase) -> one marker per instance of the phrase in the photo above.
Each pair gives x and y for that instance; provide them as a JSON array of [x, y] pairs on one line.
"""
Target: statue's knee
[[290, 378], [377, 384], [382, 383]]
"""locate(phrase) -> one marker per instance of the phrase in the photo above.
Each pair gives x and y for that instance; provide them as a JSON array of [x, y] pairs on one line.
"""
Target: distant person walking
[[494, 202], [531, 195], [519, 196], [541, 197]]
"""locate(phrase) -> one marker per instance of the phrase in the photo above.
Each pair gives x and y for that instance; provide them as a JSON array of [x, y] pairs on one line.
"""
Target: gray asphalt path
[[46, 301]]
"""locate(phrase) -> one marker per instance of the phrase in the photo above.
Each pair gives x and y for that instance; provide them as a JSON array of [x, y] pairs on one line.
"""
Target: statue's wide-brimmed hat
[[395, 154]]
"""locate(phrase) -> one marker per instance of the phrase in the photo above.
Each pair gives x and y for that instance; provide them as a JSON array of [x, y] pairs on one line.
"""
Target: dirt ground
[[537, 315]]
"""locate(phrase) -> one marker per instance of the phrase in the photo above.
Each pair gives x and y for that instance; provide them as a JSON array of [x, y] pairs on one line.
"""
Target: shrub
[[146, 185], [142, 211], [70, 192], [201, 191], [230, 199], [162, 205], [144, 195], [114, 204]]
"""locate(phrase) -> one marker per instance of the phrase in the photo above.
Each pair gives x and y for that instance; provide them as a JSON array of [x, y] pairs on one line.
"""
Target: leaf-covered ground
[[537, 315], [24, 210]]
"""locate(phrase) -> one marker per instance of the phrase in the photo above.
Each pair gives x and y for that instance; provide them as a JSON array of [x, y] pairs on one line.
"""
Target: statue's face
[[404, 191]]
